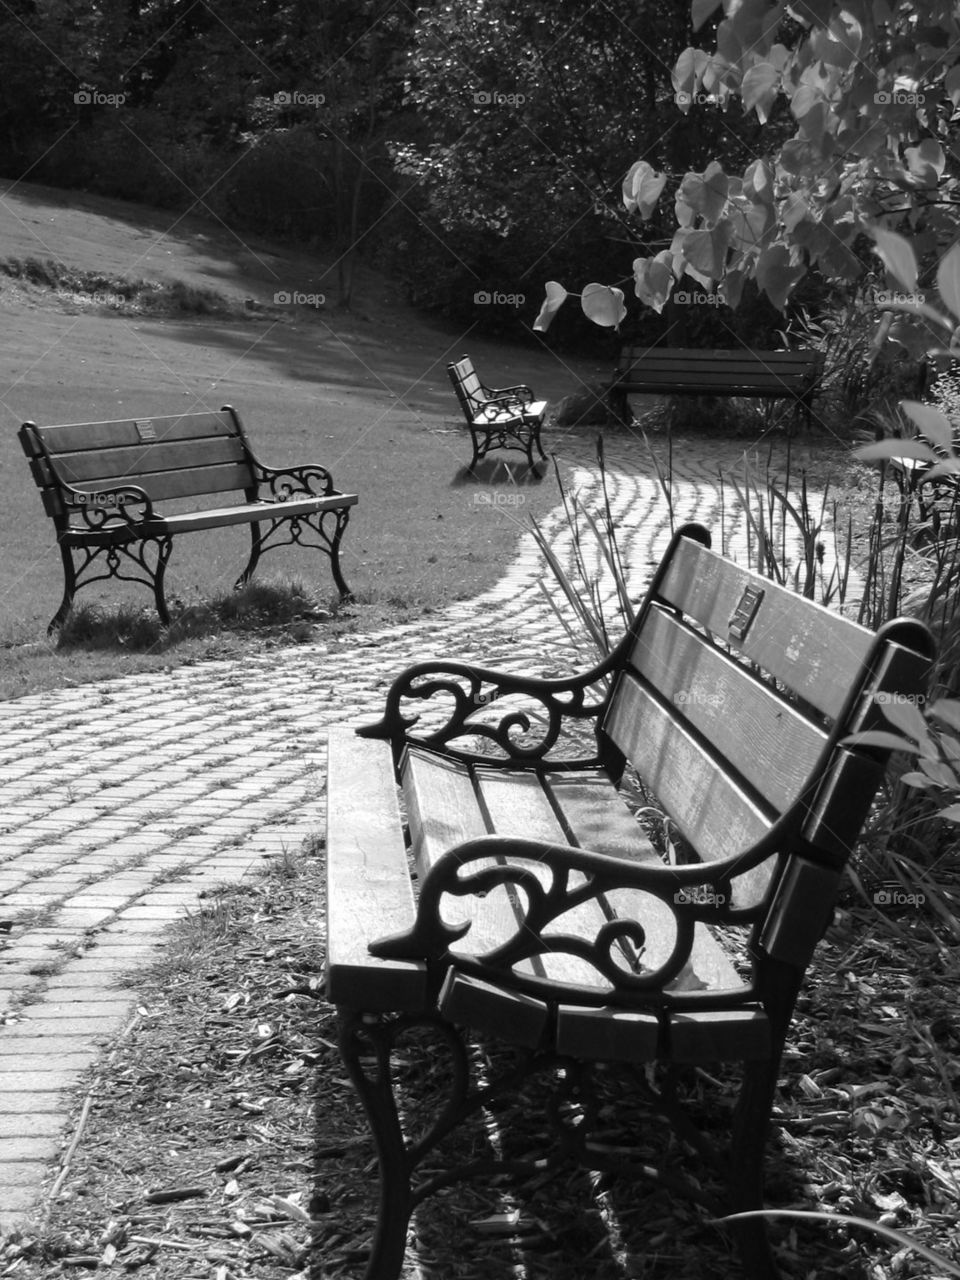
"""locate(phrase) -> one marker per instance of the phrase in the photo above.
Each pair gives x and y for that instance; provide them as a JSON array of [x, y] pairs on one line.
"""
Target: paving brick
[[33, 1102], [84, 1029], [53, 1006], [56, 1054], [60, 1079], [43, 1125], [102, 984], [19, 1195]]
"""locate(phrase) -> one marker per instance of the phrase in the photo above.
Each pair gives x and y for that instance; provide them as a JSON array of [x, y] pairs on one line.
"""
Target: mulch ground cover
[[220, 1137]]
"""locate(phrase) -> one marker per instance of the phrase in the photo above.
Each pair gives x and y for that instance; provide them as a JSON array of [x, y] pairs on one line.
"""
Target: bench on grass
[[498, 418], [102, 481], [540, 917], [675, 371]]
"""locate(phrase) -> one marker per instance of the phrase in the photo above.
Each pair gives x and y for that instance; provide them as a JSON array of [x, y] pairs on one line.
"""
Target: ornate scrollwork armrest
[[546, 885], [521, 718], [520, 394], [127, 502], [283, 483], [502, 403]]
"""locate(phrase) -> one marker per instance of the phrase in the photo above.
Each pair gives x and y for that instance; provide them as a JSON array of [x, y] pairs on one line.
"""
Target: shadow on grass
[[255, 607], [498, 471]]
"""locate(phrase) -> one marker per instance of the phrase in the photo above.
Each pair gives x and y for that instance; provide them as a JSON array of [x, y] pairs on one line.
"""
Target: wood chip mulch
[[223, 1140]]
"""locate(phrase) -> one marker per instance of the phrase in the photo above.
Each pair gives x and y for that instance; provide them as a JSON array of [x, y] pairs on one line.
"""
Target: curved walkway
[[122, 801]]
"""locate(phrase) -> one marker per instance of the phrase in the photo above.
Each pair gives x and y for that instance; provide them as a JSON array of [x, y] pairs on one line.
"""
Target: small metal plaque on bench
[[145, 429], [745, 612]]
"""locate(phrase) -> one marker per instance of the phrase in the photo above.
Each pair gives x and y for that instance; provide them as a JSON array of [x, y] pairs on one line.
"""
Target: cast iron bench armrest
[[109, 504], [692, 893], [503, 404], [473, 689], [289, 482], [523, 393]]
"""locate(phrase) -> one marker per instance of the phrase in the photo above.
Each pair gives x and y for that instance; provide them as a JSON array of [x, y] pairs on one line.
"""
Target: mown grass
[[366, 396], [77, 288]]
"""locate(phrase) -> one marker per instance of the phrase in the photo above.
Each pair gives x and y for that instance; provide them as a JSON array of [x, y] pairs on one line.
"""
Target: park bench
[[539, 915], [498, 418], [675, 371], [101, 484]]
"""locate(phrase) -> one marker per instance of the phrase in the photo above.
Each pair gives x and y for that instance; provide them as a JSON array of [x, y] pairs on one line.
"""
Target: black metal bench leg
[[256, 541], [751, 1125], [164, 547], [531, 441], [69, 589], [365, 1047], [343, 518]]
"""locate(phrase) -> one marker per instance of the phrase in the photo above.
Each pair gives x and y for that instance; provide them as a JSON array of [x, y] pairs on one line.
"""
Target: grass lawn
[[364, 393]]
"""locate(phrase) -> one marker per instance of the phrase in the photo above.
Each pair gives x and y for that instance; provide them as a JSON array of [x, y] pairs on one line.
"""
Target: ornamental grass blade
[[574, 596], [898, 1237]]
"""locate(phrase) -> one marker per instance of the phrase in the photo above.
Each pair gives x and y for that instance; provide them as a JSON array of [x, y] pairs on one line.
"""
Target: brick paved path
[[121, 801]]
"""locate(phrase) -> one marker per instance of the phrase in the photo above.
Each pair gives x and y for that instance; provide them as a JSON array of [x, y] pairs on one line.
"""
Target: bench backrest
[[732, 697], [168, 457], [470, 390], [773, 373]]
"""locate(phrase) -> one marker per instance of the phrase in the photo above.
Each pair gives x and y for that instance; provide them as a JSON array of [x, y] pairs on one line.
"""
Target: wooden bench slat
[[597, 818], [607, 1035], [105, 464], [693, 384], [518, 805], [812, 650], [718, 818], [705, 686], [469, 1002], [718, 358], [70, 437], [165, 486], [369, 892], [723, 1035], [220, 517], [444, 811], [441, 804]]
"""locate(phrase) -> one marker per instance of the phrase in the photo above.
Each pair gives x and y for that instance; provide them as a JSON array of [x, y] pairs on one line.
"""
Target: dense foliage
[[872, 91]]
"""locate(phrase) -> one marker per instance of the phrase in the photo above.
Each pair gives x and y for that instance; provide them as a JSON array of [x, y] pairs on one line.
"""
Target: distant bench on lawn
[[100, 482]]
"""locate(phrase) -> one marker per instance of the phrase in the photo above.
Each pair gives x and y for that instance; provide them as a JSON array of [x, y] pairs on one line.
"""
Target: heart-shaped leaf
[[898, 257], [700, 11], [776, 275], [759, 88], [948, 280], [642, 187], [603, 304], [654, 279], [555, 297]]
